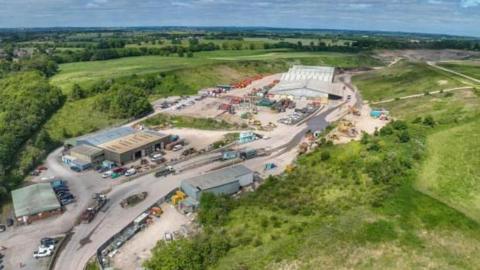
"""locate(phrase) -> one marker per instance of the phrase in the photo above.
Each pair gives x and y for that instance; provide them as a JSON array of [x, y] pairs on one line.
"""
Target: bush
[[399, 125], [325, 156], [429, 121], [404, 137], [386, 130]]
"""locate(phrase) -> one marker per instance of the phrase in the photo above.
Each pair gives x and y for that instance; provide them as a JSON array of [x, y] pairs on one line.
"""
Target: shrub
[[404, 136], [325, 155], [429, 121]]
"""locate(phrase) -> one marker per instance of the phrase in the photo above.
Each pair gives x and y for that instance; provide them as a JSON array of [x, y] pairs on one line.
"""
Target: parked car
[[119, 170], [177, 147], [42, 253], [107, 174], [47, 241], [156, 157], [3, 228], [130, 172], [75, 169], [67, 201], [58, 183]]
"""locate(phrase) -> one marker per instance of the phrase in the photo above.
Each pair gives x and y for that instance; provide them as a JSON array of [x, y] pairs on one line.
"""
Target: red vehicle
[[42, 168], [119, 170]]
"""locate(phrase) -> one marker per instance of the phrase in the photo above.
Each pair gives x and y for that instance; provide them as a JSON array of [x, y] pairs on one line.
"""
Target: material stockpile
[[246, 82]]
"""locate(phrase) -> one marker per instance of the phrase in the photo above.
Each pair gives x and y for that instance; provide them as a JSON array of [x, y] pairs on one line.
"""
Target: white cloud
[[435, 2], [469, 3]]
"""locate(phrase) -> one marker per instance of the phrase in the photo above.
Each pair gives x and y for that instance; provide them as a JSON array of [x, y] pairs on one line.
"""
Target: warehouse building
[[224, 181], [120, 145], [88, 153], [35, 202], [308, 82], [134, 146]]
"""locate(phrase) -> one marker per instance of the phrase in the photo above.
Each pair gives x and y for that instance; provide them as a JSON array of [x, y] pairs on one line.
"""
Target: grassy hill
[[85, 73], [469, 68], [451, 172], [403, 79]]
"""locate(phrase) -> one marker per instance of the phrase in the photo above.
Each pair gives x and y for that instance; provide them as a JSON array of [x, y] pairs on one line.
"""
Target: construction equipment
[[290, 168], [354, 111], [348, 128], [179, 196], [156, 211], [303, 148]]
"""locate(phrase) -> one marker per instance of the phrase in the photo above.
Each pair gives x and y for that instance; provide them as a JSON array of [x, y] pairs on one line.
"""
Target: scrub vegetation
[[357, 209], [403, 79], [469, 68]]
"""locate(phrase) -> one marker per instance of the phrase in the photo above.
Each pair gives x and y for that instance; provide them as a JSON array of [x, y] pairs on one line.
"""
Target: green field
[[85, 73], [403, 79], [451, 172], [469, 68], [445, 108]]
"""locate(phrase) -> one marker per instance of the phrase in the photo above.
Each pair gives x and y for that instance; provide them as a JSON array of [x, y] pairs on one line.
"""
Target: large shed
[[224, 181], [35, 202], [134, 146], [310, 82], [88, 153]]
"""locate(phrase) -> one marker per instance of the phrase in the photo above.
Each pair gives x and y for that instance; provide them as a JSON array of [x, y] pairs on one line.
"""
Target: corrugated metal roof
[[34, 199], [218, 178], [87, 150], [308, 81], [132, 141], [105, 136]]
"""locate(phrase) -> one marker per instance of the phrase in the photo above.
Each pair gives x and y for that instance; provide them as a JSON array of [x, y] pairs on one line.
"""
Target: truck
[[172, 144], [89, 214], [248, 154], [228, 155], [164, 171]]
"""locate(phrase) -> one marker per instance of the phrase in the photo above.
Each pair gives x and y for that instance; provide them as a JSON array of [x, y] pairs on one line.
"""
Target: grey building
[[88, 153], [224, 181]]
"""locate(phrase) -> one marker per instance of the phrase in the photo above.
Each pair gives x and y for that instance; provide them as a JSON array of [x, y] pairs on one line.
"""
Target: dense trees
[[125, 101], [26, 101]]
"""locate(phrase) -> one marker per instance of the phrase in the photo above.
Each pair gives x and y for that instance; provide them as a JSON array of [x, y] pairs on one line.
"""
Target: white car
[[156, 157], [42, 253], [177, 147], [130, 172], [42, 248], [107, 174]]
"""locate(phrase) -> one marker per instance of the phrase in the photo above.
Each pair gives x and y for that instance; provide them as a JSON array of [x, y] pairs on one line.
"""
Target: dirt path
[[433, 64], [421, 95]]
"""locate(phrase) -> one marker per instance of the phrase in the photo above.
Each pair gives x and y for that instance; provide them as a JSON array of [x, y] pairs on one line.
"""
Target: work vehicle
[[42, 253], [228, 155], [130, 172], [89, 214], [164, 171], [248, 154], [168, 237]]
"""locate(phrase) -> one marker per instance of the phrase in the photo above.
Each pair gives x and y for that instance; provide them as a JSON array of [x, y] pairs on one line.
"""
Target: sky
[[457, 17]]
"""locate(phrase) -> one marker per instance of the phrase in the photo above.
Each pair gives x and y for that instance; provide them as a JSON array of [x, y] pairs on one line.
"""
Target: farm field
[[403, 79], [85, 73], [469, 68], [451, 173]]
